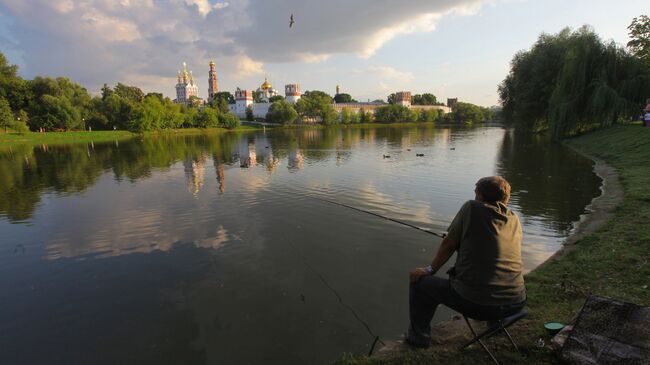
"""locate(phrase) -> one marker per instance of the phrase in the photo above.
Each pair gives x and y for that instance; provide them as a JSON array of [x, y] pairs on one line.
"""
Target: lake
[[229, 249]]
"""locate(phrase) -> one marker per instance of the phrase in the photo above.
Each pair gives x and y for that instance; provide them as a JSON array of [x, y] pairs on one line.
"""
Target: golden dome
[[266, 85]]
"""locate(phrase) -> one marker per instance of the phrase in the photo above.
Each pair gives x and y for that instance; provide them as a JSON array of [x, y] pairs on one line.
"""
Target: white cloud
[[248, 67], [111, 29], [205, 7], [63, 6], [385, 72], [107, 41]]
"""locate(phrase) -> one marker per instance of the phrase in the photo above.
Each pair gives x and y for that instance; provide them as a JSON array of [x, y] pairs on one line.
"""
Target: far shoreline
[[98, 136]]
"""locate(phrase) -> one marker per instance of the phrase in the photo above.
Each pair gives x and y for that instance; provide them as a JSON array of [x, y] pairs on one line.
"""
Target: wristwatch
[[429, 269]]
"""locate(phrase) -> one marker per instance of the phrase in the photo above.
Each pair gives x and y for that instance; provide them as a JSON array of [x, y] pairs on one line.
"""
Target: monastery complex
[[187, 93]]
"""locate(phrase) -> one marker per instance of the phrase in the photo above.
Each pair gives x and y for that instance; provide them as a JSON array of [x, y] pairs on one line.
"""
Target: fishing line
[[305, 262], [441, 235]]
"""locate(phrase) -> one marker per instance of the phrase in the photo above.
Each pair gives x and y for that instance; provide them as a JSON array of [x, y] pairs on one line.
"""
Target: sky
[[371, 48]]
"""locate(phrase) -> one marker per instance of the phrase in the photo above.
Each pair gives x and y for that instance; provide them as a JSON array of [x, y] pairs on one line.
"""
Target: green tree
[[131, 93], [316, 106], [189, 116], [148, 115], [572, 82], [221, 100], [424, 99], [57, 103], [275, 98], [345, 116], [56, 113], [6, 117], [157, 95], [229, 120], [365, 116], [12, 87], [639, 32], [207, 118], [467, 113], [172, 115], [395, 113], [282, 112], [250, 116], [343, 98], [106, 91], [257, 96], [428, 115], [225, 95]]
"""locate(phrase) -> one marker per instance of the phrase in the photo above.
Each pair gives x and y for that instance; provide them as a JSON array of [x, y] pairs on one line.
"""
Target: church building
[[186, 88]]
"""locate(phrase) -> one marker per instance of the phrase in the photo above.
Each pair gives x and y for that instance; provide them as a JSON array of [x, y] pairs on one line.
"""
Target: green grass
[[102, 136], [63, 137], [612, 262]]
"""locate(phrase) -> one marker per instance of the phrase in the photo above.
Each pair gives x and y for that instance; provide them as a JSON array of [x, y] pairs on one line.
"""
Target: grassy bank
[[63, 137], [612, 261], [103, 136]]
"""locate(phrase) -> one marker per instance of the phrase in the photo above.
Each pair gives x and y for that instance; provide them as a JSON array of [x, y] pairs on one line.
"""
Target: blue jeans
[[430, 291]]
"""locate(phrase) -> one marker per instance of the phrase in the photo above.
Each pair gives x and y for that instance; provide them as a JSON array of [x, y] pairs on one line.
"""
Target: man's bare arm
[[446, 249]]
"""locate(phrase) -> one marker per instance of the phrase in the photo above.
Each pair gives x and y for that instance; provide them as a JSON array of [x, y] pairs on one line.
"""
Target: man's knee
[[430, 287]]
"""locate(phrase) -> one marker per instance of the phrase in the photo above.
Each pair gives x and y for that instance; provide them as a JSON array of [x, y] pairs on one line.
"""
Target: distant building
[[213, 82], [451, 102], [403, 98], [292, 93], [243, 98], [185, 88], [267, 90]]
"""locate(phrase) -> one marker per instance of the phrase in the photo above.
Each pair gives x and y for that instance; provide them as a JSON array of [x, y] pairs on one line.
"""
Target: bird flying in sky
[[291, 21]]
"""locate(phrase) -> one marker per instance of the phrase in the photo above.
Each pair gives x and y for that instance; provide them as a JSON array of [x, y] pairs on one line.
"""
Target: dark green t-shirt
[[488, 268]]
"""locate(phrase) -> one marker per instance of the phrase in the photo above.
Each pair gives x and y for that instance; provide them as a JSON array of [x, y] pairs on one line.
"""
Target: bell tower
[[213, 83]]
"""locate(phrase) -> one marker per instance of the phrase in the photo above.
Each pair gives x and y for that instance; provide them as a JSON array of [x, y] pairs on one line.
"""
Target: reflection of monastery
[[186, 89]]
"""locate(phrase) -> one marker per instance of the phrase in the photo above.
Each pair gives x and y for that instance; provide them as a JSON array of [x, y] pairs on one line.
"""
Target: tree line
[[51, 104], [573, 81], [317, 107]]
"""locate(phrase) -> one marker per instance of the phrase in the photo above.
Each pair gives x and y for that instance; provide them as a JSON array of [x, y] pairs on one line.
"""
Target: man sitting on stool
[[487, 280]]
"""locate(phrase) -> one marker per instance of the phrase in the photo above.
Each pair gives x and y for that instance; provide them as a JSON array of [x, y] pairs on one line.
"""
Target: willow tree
[[572, 82]]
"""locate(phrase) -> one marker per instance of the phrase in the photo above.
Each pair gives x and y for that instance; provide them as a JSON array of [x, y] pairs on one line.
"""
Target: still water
[[223, 249]]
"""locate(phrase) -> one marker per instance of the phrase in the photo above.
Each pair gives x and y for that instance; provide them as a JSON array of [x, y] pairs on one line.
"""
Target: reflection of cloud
[[214, 242], [139, 233]]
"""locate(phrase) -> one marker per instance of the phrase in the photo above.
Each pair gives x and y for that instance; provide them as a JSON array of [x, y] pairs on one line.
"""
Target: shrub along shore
[[610, 261]]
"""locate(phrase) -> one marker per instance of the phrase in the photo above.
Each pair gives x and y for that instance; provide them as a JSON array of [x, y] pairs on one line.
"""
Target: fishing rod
[[365, 324], [441, 235]]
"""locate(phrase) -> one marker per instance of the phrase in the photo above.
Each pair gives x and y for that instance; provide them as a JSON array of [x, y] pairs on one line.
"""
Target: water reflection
[[208, 236]]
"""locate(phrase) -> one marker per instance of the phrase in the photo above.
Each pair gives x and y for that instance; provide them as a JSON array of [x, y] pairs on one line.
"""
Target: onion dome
[[266, 85]]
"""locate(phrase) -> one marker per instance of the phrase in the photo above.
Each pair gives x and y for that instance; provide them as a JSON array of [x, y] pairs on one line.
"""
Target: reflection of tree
[[26, 172], [548, 180]]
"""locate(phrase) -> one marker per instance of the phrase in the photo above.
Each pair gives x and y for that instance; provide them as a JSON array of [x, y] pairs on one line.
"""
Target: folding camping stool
[[494, 328]]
